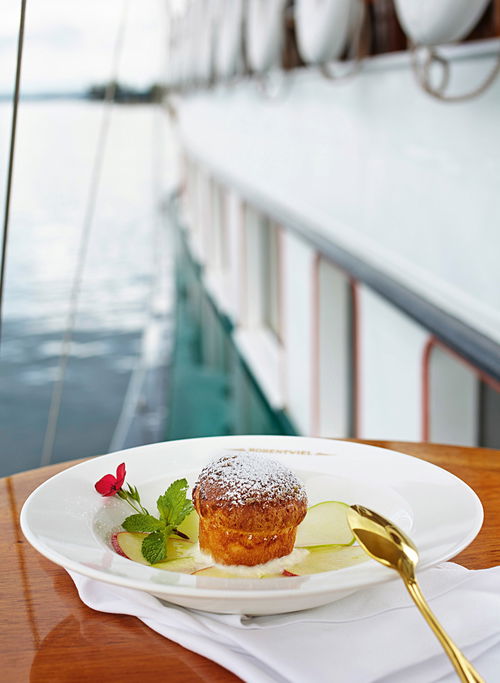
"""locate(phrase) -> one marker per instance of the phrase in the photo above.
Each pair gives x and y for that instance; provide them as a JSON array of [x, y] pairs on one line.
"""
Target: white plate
[[68, 522]]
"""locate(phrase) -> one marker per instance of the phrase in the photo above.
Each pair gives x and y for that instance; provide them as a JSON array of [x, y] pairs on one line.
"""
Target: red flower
[[110, 485]]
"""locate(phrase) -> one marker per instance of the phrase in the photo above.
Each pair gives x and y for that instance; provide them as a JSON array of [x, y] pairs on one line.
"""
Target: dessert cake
[[249, 508]]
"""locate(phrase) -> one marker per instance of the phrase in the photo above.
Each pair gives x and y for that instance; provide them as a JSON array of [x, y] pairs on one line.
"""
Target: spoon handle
[[463, 667]]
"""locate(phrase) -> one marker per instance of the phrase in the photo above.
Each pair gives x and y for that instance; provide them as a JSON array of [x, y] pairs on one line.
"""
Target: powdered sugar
[[241, 479]]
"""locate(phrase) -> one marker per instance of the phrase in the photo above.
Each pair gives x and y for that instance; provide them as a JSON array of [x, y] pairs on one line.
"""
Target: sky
[[69, 43]]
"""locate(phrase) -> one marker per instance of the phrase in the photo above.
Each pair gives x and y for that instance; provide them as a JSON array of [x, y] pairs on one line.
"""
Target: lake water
[[56, 143]]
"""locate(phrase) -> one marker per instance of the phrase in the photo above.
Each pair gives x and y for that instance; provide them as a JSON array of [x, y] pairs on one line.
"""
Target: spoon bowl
[[382, 539]]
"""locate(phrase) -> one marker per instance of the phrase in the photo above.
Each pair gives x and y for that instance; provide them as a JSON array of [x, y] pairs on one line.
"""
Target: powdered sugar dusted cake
[[249, 508]]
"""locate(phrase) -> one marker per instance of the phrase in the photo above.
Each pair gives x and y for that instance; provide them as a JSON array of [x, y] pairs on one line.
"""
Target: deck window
[[219, 247], [453, 399], [333, 410], [271, 290], [489, 421]]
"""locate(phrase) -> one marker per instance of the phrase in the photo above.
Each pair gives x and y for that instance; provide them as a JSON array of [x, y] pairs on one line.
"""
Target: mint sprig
[[142, 524], [173, 505], [173, 508]]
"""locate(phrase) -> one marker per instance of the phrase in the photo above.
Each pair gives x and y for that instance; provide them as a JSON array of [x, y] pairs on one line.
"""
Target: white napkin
[[374, 635]]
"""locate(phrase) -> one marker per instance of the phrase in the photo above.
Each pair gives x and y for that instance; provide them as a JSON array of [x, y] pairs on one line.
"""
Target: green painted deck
[[212, 392]]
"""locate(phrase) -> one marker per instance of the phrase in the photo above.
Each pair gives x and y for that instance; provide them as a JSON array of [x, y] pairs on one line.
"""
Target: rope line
[[422, 71], [15, 102], [56, 397]]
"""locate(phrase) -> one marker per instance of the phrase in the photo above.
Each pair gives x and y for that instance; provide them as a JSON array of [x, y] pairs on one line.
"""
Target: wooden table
[[48, 634]]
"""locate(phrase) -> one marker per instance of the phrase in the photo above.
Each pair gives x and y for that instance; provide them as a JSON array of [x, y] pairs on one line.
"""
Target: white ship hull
[[351, 233]]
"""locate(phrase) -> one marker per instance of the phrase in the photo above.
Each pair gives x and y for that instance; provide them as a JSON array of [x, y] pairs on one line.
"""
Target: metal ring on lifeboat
[[429, 23]]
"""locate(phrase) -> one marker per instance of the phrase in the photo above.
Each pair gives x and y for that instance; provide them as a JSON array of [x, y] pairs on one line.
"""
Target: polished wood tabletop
[[49, 635]]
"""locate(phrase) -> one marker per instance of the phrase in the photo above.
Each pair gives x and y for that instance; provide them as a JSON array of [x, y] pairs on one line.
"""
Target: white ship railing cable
[[10, 169], [56, 397]]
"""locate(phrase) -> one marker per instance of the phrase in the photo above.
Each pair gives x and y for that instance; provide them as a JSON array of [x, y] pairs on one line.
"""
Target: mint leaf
[[143, 523], [154, 547], [173, 505]]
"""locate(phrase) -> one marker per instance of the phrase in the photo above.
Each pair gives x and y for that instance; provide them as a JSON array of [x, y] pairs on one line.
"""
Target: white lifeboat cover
[[264, 32], [181, 47], [201, 32], [324, 26], [172, 53], [434, 22], [229, 38]]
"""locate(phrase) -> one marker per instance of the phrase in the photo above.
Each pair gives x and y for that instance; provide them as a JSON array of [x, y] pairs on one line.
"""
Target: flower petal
[[107, 485], [120, 476]]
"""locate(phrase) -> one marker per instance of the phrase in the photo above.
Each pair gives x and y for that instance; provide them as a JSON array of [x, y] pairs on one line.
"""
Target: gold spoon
[[387, 544]]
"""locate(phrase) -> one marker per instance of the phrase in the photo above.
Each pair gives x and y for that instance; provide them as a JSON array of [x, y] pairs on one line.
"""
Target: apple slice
[[324, 558], [328, 558], [325, 524], [184, 565], [223, 573], [190, 526], [216, 571], [129, 545], [116, 545]]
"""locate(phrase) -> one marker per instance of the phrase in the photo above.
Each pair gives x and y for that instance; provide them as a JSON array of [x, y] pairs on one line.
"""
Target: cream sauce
[[275, 566]]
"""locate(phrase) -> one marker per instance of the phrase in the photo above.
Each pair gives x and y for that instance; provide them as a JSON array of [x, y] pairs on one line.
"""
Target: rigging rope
[[55, 402], [15, 103], [132, 399]]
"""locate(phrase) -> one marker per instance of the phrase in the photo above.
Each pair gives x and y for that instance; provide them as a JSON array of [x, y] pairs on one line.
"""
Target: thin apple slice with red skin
[[178, 548], [190, 526], [129, 544], [217, 572], [325, 524], [223, 573], [319, 559], [184, 565], [116, 545], [328, 558]]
